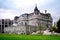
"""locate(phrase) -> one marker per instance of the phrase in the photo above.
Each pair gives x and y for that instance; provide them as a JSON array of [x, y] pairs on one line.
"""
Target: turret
[[36, 9]]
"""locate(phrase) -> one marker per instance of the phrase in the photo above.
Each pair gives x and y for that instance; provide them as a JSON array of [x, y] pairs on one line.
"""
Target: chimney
[[45, 11]]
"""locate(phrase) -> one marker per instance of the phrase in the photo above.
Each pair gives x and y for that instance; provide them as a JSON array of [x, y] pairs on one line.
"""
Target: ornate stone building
[[5, 23], [29, 22]]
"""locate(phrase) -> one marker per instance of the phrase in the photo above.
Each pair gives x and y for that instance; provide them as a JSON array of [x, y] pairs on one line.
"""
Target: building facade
[[29, 22], [4, 23]]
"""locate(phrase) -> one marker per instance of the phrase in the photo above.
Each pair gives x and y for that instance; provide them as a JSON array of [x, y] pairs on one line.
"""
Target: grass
[[28, 37]]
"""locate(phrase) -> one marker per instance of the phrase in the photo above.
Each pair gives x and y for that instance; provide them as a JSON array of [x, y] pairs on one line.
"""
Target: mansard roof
[[26, 14], [47, 14]]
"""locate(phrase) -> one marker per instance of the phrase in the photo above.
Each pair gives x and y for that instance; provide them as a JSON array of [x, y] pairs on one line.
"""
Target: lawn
[[28, 37]]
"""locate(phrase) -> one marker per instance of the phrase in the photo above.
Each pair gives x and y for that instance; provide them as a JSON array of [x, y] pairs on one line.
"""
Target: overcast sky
[[11, 8]]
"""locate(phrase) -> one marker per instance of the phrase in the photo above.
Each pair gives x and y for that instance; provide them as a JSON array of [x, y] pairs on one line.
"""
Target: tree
[[40, 28], [58, 26], [53, 29], [16, 17]]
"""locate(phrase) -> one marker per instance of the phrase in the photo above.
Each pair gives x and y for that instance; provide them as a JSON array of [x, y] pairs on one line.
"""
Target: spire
[[36, 9]]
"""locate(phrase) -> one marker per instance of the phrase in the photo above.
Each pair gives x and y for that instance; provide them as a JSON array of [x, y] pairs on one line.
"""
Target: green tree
[[53, 29], [40, 28], [58, 26]]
